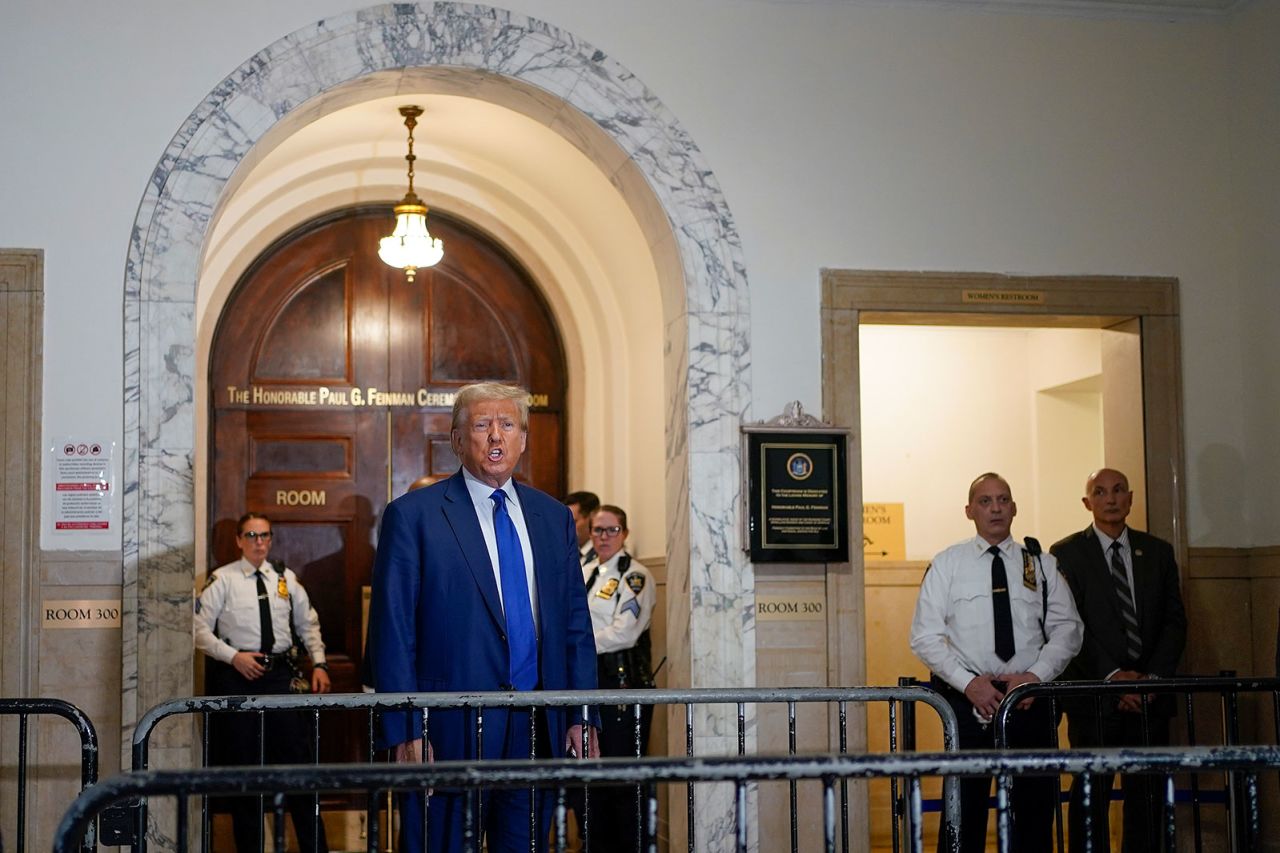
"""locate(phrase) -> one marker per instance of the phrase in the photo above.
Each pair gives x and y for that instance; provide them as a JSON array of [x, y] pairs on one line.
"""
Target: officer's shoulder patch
[[213, 578], [635, 580]]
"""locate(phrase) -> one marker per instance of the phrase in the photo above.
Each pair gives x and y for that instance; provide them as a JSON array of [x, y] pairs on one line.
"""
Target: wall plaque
[[797, 504]]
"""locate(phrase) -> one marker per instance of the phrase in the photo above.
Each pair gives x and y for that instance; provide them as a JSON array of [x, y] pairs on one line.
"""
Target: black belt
[[940, 684], [269, 662]]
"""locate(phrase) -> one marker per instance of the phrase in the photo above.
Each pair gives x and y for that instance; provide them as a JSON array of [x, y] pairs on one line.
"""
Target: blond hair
[[481, 392]]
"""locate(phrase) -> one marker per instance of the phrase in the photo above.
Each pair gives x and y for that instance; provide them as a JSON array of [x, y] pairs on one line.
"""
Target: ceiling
[[1165, 10]]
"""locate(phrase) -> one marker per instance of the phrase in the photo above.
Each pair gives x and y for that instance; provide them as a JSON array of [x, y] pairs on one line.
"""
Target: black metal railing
[[373, 704], [1098, 693], [739, 771], [24, 709]]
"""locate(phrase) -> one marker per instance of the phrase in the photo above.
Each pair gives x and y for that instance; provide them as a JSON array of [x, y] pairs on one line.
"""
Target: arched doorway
[[334, 379], [589, 101]]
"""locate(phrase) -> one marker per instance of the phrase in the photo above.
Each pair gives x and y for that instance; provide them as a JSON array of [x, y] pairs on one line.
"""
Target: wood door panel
[[319, 309], [316, 552], [309, 338], [481, 347], [305, 443], [420, 446], [539, 466], [301, 455]]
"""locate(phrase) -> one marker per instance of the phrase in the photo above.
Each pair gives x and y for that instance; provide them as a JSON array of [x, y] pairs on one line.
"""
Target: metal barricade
[[1227, 687], [740, 771], [25, 708], [581, 702]]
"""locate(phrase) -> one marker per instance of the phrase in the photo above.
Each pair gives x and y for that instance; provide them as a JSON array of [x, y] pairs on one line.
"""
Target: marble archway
[[696, 249]]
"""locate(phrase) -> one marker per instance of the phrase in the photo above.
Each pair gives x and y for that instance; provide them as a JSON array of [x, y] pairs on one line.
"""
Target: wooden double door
[[331, 385]]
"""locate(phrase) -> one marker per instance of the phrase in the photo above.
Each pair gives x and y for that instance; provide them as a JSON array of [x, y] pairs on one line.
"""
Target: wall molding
[[21, 377]]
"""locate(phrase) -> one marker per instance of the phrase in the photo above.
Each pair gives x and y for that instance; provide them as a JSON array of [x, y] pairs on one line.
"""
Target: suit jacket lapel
[[461, 514], [1141, 574]]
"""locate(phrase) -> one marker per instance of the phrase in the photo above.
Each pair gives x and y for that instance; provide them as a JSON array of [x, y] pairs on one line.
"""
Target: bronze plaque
[[797, 497]]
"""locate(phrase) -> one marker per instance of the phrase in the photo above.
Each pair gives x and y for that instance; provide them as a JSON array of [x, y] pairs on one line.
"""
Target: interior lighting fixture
[[411, 246]]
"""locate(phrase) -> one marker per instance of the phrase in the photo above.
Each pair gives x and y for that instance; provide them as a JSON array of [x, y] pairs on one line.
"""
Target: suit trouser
[[1143, 797], [501, 816], [233, 740], [1032, 799]]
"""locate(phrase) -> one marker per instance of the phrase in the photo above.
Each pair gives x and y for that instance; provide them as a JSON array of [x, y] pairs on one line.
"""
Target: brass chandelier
[[410, 246]]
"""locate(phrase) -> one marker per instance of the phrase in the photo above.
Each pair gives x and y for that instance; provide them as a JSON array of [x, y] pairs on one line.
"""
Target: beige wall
[[1233, 597], [1252, 511], [942, 404], [80, 666]]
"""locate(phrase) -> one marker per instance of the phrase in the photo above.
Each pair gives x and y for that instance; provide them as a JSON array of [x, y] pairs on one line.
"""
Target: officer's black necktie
[[264, 616], [1002, 616]]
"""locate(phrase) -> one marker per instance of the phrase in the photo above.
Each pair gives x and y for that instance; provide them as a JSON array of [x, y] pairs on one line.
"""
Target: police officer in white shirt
[[993, 614], [621, 597], [246, 619]]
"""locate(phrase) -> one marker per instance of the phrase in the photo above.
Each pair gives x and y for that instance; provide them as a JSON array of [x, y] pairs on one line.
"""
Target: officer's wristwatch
[[323, 666]]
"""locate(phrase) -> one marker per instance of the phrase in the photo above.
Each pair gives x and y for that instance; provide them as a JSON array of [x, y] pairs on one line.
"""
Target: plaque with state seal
[[797, 495]]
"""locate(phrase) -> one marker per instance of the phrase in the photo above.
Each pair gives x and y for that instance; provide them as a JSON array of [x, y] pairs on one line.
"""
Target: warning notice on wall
[[82, 485]]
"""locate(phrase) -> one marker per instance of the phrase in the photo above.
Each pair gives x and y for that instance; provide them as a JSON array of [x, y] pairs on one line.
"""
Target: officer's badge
[[635, 581], [1028, 572], [282, 589], [609, 588]]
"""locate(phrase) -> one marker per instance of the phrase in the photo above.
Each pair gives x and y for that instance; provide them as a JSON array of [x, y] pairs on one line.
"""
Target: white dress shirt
[[620, 603], [953, 628], [484, 505], [227, 619]]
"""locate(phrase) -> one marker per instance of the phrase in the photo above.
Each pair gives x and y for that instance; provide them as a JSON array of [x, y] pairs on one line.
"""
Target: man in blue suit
[[477, 586]]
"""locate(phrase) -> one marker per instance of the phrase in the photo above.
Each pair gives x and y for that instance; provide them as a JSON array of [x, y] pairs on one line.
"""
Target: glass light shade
[[410, 246]]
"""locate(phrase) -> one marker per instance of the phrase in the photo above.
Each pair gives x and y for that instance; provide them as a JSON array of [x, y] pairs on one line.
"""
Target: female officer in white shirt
[[620, 596]]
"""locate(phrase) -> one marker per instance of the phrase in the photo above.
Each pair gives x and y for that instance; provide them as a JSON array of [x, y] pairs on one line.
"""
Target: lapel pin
[[1137, 552]]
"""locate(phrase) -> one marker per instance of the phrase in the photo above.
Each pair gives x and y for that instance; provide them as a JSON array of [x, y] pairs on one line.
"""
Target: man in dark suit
[[1125, 583], [477, 586]]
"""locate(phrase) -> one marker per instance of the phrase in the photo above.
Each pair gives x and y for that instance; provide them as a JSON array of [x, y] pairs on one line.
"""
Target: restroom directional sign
[[884, 535]]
